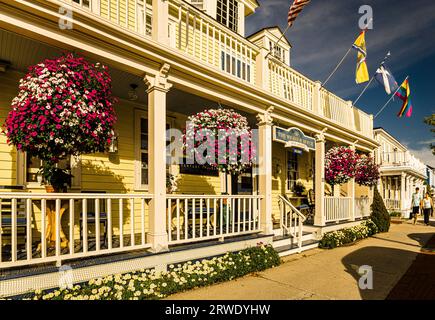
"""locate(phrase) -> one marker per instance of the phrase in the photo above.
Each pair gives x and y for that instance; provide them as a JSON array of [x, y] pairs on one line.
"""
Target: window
[[227, 13], [33, 164], [276, 51], [144, 151], [84, 3], [235, 66], [144, 13], [292, 169], [198, 3]]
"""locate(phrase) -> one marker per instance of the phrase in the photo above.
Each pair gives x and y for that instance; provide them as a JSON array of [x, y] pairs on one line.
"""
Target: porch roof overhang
[[129, 52], [398, 170]]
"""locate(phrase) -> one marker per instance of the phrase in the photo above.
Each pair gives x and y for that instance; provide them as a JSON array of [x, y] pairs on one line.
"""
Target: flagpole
[[389, 100], [371, 80], [338, 66]]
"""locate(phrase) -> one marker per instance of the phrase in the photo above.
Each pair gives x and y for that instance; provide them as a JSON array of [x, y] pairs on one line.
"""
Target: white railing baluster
[[121, 223], [132, 223], [85, 225], [142, 215], [193, 219], [215, 212], [97, 225], [43, 228], [71, 226], [14, 230], [178, 219], [57, 226], [169, 222], [109, 224], [28, 229], [201, 217], [186, 220], [208, 217], [238, 215]]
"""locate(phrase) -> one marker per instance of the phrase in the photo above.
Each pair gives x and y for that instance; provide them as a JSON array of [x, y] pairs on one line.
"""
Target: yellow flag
[[362, 73]]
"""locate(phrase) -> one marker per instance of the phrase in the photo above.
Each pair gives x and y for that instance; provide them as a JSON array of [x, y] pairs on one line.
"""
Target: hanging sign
[[294, 138]]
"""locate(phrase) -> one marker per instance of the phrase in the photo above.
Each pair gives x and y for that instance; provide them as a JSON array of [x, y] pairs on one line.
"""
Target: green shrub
[[338, 238], [151, 284], [395, 214], [380, 215]]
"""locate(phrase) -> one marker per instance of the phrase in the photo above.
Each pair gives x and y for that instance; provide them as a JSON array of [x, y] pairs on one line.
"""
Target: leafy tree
[[431, 122], [380, 215]]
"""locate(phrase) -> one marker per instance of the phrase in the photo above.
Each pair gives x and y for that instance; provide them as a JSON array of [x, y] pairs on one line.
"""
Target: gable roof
[[277, 28]]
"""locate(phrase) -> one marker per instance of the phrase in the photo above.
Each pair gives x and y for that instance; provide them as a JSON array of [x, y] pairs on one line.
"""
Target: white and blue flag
[[386, 79]]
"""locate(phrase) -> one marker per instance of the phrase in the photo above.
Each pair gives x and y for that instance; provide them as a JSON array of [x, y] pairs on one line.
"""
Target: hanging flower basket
[[220, 138], [340, 165], [367, 171], [64, 107]]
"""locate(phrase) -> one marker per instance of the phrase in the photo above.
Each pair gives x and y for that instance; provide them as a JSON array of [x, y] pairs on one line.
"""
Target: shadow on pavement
[[388, 265]]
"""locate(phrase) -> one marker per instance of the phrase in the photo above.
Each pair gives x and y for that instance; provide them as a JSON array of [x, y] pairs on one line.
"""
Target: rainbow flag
[[404, 94]]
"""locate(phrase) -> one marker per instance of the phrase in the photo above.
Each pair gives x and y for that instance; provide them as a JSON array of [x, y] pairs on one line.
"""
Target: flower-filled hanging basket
[[220, 138], [340, 165], [64, 107], [367, 171]]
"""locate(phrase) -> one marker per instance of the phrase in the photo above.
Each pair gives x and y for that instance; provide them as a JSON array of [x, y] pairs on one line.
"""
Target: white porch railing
[[392, 204], [362, 207], [291, 220], [51, 227], [337, 208], [290, 84], [193, 218]]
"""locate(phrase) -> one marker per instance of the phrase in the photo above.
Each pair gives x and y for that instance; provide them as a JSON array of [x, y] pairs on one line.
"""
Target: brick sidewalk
[[418, 283]]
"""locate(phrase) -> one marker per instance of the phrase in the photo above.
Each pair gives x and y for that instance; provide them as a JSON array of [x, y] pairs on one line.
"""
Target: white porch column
[[265, 169], [317, 103], [157, 90], [160, 21], [351, 193], [403, 199], [319, 181]]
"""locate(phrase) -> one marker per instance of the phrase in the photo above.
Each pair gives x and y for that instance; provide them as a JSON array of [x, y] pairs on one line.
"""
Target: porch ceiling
[[20, 52]]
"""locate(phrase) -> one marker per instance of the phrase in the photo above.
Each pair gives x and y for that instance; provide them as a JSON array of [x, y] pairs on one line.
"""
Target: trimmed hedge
[[338, 238], [380, 215], [151, 284]]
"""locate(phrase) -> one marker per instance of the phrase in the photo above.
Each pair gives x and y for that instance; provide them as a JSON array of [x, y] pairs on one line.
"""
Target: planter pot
[[49, 188], [396, 220]]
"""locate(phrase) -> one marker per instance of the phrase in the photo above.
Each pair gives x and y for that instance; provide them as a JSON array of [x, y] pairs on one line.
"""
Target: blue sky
[[326, 29]]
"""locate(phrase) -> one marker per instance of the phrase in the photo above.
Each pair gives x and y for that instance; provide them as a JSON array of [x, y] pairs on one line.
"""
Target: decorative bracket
[[266, 117], [159, 81]]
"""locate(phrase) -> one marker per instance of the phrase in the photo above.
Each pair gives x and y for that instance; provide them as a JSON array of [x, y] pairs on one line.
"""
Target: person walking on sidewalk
[[416, 203], [427, 205]]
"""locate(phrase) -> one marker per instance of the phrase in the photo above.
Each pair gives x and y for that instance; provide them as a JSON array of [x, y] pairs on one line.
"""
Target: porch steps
[[287, 245], [290, 249]]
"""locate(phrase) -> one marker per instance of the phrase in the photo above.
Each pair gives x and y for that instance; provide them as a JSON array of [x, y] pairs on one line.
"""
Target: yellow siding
[[8, 165]]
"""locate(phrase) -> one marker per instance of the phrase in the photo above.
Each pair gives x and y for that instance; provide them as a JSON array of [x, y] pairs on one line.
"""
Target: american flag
[[295, 9]]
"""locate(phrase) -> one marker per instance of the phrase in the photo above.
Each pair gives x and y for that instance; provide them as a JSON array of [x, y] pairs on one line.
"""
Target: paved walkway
[[418, 283], [329, 274]]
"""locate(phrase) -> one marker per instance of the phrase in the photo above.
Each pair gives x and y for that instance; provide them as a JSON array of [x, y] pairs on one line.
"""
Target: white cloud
[[424, 155]]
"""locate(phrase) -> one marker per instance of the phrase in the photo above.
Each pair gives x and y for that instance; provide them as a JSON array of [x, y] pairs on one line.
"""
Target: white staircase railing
[[291, 220]]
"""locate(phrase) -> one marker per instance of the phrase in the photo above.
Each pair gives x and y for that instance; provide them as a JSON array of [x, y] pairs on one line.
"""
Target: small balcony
[[398, 160]]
